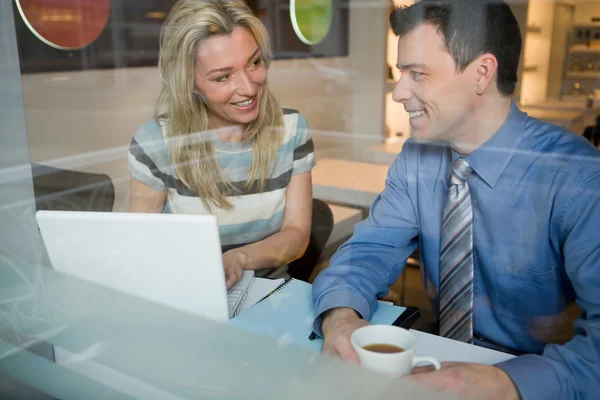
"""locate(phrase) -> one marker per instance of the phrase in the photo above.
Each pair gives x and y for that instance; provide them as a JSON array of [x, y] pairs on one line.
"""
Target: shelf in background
[[572, 101], [583, 75], [595, 25], [583, 49]]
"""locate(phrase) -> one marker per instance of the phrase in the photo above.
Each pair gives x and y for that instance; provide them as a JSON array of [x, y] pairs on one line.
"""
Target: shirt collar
[[491, 158]]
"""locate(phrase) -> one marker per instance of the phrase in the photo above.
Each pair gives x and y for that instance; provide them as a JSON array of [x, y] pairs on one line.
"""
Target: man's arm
[[572, 370], [365, 266]]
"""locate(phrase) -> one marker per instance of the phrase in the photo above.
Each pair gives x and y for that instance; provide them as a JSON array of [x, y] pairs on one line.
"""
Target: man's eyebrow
[[410, 66]]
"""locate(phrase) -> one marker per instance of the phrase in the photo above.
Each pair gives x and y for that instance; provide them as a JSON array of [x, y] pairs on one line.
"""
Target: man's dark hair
[[470, 28]]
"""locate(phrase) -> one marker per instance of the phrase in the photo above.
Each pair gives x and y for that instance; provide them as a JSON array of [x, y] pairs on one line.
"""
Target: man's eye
[[416, 75]]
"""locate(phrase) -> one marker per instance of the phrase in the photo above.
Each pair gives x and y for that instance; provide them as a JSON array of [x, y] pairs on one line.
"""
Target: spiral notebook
[[287, 315], [260, 289]]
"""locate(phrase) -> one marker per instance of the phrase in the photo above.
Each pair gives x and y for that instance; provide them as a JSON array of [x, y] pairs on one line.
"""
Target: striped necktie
[[456, 258]]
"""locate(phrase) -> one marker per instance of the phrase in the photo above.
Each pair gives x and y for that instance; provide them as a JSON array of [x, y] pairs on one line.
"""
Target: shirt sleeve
[[304, 150], [365, 266], [148, 156], [572, 370]]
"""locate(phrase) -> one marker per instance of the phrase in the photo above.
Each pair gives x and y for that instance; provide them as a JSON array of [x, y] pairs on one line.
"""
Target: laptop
[[171, 259]]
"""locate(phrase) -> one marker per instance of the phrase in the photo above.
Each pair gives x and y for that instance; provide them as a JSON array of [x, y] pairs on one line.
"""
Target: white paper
[[259, 289]]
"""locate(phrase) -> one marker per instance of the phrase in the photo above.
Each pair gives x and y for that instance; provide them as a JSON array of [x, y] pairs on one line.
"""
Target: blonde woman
[[221, 144]]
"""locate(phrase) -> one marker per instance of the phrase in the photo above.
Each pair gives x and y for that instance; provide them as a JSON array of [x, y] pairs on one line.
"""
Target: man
[[503, 208]]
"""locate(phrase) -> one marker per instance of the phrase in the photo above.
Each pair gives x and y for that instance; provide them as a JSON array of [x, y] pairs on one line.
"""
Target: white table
[[288, 318], [346, 182], [444, 349]]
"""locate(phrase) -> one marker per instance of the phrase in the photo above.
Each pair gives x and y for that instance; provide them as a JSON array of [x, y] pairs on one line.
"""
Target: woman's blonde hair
[[188, 24]]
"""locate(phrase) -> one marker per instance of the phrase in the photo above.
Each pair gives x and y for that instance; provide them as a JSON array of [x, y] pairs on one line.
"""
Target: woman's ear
[[198, 95]]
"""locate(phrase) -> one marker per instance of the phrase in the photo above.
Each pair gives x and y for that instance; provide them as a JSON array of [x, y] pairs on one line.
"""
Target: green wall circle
[[311, 19]]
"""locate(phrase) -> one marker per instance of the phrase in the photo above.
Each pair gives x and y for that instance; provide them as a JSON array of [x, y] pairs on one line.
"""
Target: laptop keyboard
[[233, 299], [237, 294]]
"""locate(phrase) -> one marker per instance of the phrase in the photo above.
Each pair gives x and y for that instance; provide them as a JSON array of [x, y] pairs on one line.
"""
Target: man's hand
[[476, 381], [234, 263], [338, 324]]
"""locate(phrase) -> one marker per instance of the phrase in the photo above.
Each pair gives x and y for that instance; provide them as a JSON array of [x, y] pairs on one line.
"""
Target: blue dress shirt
[[535, 192]]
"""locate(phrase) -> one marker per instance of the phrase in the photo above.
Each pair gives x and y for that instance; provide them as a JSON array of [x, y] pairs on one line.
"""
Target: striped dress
[[254, 215]]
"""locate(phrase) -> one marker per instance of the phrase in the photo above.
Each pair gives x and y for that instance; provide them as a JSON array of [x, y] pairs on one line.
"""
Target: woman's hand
[[234, 263]]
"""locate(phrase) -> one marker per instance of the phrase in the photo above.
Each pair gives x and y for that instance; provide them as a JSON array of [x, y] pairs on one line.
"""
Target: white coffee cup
[[399, 363]]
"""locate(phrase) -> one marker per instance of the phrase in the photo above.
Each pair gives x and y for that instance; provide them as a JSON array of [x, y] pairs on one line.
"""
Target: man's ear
[[486, 71]]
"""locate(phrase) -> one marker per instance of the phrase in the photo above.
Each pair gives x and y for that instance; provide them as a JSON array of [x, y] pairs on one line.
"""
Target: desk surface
[[450, 350], [287, 317], [352, 183]]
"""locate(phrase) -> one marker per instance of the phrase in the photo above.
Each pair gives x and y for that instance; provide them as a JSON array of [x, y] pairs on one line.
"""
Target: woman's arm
[[292, 239], [144, 199]]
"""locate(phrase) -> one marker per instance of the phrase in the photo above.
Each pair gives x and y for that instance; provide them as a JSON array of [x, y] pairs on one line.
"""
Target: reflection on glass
[[311, 19], [124, 347]]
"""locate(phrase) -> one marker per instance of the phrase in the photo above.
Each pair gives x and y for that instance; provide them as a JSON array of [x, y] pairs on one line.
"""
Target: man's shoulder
[[559, 144], [417, 158]]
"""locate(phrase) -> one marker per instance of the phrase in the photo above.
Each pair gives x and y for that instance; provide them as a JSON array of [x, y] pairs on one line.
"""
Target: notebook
[[287, 315], [174, 260], [259, 290]]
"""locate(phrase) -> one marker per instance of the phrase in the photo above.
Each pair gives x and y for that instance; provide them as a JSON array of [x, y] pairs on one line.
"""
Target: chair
[[595, 140], [592, 133], [67, 190], [588, 133], [322, 225]]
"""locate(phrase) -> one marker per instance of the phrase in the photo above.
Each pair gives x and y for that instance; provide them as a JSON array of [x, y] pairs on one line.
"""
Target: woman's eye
[[257, 62], [222, 78]]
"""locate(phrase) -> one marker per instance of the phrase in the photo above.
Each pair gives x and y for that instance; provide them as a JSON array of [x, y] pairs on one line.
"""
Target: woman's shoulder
[[150, 131], [295, 123], [290, 114], [150, 140]]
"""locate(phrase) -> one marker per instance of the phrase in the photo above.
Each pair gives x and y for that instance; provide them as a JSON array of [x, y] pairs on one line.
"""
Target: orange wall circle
[[65, 24]]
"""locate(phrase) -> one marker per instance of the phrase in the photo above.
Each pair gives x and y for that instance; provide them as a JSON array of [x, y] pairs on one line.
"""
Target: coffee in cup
[[388, 349], [383, 348]]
